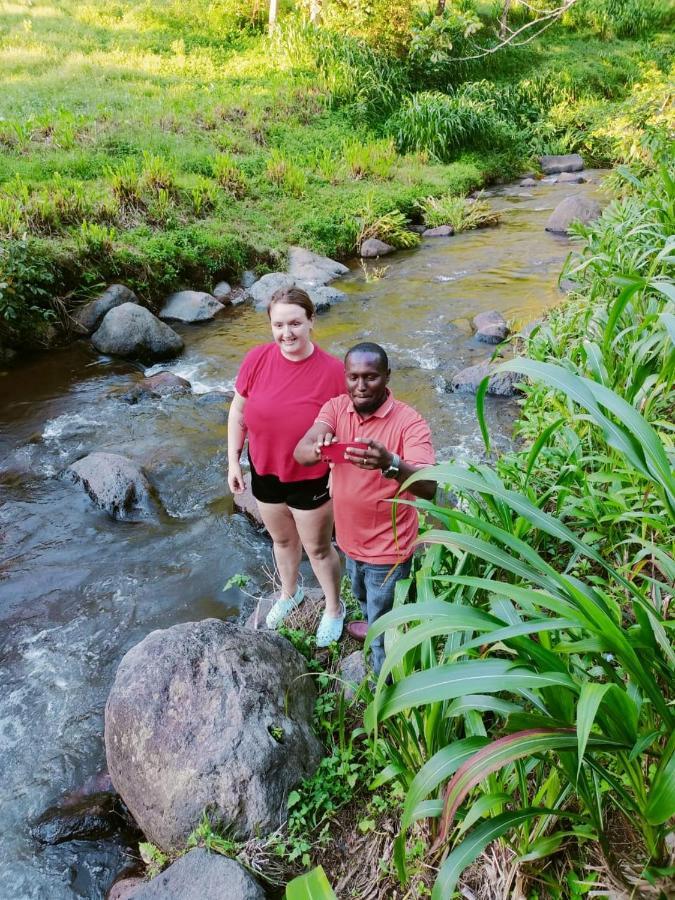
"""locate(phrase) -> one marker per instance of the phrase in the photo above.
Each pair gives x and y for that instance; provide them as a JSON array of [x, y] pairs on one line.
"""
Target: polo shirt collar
[[380, 413]]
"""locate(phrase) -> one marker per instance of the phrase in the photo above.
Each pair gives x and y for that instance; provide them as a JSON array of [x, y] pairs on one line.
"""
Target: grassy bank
[[162, 146]]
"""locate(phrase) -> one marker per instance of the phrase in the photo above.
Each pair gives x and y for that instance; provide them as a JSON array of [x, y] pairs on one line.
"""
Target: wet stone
[[88, 819]]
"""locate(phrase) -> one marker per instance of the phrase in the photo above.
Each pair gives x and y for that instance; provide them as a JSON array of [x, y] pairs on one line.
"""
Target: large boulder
[[200, 875], [501, 384], [209, 715], [572, 209], [90, 316], [115, 483], [490, 327], [264, 287], [374, 247], [553, 165], [313, 269], [131, 330], [191, 306]]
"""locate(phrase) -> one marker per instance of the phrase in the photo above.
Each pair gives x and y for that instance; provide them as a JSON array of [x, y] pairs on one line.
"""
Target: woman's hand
[[235, 477]]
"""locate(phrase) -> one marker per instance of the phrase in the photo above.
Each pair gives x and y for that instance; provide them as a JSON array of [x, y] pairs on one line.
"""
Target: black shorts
[[308, 494]]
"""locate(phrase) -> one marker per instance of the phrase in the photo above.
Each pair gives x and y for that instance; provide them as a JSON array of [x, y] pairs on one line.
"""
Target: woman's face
[[291, 329]]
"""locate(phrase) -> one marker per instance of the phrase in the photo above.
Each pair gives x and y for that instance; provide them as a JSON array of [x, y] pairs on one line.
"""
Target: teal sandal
[[330, 629], [283, 607]]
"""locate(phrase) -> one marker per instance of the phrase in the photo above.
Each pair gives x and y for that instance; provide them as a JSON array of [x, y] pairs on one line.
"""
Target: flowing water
[[78, 589]]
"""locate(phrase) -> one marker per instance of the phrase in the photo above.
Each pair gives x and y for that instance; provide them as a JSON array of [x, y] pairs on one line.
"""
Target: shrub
[[443, 124], [27, 284], [461, 213]]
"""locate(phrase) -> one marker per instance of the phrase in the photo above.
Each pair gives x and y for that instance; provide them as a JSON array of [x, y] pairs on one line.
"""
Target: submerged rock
[[573, 209], [325, 297], [115, 483], [373, 247], [90, 316], [439, 231], [89, 818], [490, 327], [553, 165], [571, 178], [467, 381], [200, 875], [313, 269], [191, 306], [130, 330], [162, 384], [210, 715]]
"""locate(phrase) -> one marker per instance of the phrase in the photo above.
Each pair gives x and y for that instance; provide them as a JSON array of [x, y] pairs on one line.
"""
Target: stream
[[78, 589]]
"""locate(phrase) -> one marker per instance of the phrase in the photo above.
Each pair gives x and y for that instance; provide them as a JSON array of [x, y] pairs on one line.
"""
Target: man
[[390, 442]]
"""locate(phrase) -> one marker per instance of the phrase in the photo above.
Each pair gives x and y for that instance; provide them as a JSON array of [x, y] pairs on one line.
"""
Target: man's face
[[366, 381]]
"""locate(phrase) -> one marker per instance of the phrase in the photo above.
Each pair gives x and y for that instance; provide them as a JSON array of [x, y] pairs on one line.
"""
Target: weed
[[375, 159], [154, 859], [391, 227], [229, 175], [285, 174], [372, 274]]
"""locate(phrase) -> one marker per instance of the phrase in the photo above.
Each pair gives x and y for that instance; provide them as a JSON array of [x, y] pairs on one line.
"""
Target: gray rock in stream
[[200, 875], [90, 818], [313, 269], [191, 306], [162, 384], [373, 247], [115, 483], [490, 327], [265, 287], [130, 330], [573, 209], [501, 384], [553, 165], [90, 316], [210, 715]]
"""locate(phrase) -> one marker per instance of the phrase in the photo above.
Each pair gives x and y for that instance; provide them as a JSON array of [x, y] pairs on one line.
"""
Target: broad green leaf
[[545, 846], [590, 697], [483, 805], [473, 845], [312, 886], [481, 703], [661, 801], [447, 682], [498, 754]]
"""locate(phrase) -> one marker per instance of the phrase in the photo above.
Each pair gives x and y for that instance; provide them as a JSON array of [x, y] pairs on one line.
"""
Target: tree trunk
[[503, 19], [274, 8]]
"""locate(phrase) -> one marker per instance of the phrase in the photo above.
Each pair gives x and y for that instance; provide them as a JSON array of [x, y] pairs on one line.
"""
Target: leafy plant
[[461, 213], [229, 175]]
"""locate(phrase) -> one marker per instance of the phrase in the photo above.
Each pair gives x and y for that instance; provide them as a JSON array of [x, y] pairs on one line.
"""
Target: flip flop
[[282, 608], [330, 629]]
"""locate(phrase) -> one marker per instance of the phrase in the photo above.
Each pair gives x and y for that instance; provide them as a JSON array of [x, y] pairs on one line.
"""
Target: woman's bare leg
[[287, 547], [315, 528]]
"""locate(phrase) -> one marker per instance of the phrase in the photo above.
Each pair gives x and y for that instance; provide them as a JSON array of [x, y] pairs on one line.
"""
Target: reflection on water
[[77, 589]]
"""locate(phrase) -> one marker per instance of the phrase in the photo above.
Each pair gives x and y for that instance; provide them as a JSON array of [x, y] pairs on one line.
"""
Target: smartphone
[[335, 453]]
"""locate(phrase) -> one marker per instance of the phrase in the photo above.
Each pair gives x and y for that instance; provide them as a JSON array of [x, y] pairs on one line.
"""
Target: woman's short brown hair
[[294, 295]]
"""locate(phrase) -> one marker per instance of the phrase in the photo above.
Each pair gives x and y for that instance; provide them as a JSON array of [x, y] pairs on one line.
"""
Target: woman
[[279, 390]]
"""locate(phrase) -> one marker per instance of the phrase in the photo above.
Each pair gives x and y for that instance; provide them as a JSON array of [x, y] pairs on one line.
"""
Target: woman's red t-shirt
[[282, 401]]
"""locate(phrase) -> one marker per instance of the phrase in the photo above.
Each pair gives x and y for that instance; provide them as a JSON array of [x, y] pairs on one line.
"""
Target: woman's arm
[[236, 436]]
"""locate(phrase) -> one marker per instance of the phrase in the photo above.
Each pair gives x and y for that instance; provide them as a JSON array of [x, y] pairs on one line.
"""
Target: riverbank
[[145, 145]]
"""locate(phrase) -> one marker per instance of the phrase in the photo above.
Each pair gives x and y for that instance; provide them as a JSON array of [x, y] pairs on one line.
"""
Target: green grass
[[162, 144]]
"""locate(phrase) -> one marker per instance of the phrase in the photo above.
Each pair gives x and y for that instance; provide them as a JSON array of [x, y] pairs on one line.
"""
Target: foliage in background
[[532, 679]]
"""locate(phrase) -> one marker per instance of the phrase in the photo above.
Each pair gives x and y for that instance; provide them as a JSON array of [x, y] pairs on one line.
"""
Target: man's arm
[[370, 454], [308, 448]]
